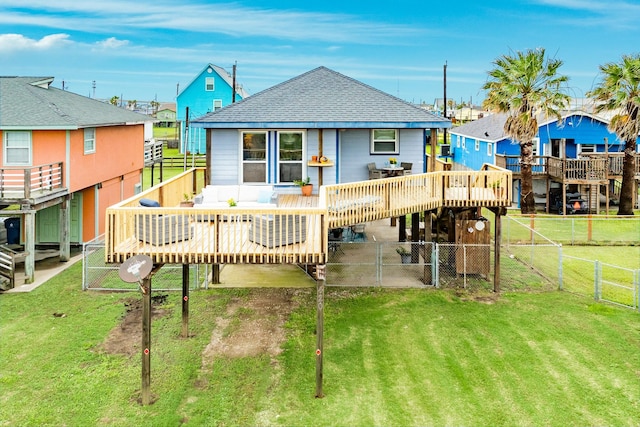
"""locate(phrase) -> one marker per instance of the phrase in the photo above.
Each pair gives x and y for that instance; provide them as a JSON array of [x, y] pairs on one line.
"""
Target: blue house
[[320, 124], [210, 90], [580, 135]]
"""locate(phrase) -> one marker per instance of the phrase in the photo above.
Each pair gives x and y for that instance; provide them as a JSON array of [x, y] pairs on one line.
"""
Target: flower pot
[[186, 204], [307, 189], [405, 258]]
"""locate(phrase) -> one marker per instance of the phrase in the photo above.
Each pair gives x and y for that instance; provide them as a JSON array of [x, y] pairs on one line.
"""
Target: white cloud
[[230, 19], [112, 43], [18, 42]]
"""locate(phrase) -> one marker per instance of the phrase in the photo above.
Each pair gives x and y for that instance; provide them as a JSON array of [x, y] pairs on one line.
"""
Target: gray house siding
[[225, 164]]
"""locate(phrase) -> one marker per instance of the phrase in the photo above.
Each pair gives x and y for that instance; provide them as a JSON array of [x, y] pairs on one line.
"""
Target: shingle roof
[[31, 103], [321, 98], [489, 128]]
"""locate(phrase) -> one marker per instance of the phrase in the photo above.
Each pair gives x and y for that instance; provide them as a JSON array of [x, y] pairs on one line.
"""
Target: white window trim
[[304, 154], [396, 149], [241, 155], [5, 144], [592, 148], [458, 138], [477, 145], [208, 80], [489, 149], [217, 101], [93, 141]]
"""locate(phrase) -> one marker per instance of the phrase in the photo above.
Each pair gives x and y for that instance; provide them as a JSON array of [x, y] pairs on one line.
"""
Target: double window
[[17, 148], [288, 156], [384, 141]]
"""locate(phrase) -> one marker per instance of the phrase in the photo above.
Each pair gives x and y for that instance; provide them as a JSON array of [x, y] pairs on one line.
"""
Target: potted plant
[[405, 255], [497, 190], [232, 203], [187, 201], [305, 185]]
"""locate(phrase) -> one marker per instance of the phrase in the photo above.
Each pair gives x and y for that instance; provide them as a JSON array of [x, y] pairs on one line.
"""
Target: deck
[[294, 232], [594, 169]]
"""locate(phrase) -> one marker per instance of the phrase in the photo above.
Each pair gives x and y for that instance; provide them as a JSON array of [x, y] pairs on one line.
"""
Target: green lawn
[[392, 357]]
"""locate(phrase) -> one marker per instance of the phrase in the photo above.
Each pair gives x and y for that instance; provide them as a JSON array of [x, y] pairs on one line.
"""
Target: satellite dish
[[136, 268]]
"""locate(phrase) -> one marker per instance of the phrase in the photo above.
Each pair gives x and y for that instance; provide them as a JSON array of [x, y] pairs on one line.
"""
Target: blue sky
[[146, 49]]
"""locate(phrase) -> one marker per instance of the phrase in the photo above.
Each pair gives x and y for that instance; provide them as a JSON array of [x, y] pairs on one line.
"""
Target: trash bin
[[13, 230]]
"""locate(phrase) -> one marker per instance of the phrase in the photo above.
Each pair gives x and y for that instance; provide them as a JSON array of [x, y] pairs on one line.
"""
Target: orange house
[[65, 158]]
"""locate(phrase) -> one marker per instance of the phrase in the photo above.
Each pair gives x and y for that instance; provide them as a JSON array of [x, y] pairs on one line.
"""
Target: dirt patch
[[252, 326], [126, 338]]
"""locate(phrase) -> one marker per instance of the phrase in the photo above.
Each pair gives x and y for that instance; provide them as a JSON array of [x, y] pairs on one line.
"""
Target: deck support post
[[215, 274], [498, 212], [146, 341], [402, 228], [184, 333], [415, 237], [320, 280]]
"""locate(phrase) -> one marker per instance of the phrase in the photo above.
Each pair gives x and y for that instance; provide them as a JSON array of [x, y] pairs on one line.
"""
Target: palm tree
[[619, 91], [523, 86]]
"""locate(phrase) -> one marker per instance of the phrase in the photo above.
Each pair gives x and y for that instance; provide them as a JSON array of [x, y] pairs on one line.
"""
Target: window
[[458, 138], [17, 148], [477, 145], [89, 140], [384, 141], [489, 149], [254, 155], [587, 148], [464, 143], [217, 104], [290, 155], [209, 84]]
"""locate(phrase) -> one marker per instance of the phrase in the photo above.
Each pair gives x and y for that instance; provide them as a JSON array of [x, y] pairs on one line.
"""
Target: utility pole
[[233, 96], [445, 103]]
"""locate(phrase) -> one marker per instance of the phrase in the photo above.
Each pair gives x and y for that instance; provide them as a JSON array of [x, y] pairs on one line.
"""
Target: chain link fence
[[571, 230], [98, 275], [524, 266]]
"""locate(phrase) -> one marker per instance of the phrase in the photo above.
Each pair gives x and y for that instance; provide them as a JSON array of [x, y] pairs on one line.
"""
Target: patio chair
[[357, 232], [161, 229], [406, 168], [374, 172]]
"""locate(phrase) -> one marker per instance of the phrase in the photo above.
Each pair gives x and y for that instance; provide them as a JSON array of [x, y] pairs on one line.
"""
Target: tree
[[619, 91], [526, 85], [114, 100]]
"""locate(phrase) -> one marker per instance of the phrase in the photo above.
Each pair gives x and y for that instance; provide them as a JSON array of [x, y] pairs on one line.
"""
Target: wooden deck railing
[[34, 181], [598, 167], [284, 234]]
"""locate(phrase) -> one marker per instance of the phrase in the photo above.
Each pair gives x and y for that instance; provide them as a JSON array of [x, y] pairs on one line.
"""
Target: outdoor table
[[393, 170]]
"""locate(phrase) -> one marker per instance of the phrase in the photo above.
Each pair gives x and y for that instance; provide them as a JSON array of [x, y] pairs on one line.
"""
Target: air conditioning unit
[[137, 188]]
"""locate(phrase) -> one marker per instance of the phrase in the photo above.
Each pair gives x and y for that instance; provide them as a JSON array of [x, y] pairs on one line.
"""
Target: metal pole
[[185, 301], [146, 340], [321, 280]]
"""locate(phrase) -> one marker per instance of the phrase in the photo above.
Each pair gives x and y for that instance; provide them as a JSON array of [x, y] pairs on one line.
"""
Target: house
[[211, 90], [166, 126], [64, 159], [579, 136], [283, 133]]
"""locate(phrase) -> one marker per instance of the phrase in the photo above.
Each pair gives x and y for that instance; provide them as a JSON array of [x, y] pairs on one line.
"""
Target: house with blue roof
[[578, 136], [320, 124], [211, 90]]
